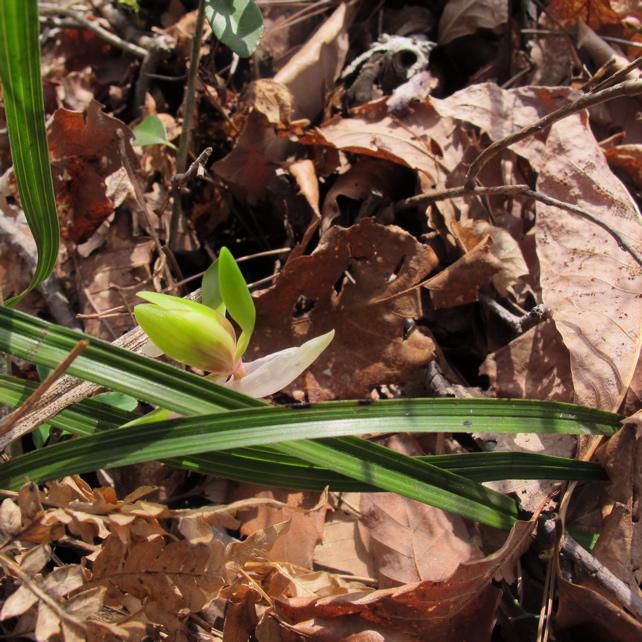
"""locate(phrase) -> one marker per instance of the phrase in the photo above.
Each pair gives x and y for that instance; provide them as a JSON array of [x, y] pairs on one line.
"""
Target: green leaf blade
[[24, 108], [151, 131], [236, 23]]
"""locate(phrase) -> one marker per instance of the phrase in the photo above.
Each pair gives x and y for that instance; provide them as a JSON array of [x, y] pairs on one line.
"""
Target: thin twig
[[107, 36], [184, 142], [519, 324], [201, 160], [455, 192], [10, 421], [580, 211], [598, 571], [626, 88], [53, 604]]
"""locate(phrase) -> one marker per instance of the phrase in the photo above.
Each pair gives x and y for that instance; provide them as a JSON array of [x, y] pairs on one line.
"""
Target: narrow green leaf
[[236, 297], [236, 23], [24, 108], [264, 466], [261, 424], [151, 131], [210, 289], [117, 400]]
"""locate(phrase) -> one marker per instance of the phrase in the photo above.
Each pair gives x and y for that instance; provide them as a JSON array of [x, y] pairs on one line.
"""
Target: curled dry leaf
[[461, 607], [463, 17], [589, 282], [420, 140], [85, 152], [312, 71], [355, 283]]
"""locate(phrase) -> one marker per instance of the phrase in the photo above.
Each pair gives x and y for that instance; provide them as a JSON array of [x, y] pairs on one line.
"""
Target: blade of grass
[[40, 342], [24, 108], [88, 416]]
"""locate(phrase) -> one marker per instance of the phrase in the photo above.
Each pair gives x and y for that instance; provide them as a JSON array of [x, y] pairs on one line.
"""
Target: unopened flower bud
[[188, 332]]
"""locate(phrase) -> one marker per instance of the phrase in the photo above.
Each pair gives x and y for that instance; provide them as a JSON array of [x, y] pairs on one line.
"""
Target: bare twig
[[10, 566], [598, 571], [626, 88], [178, 180], [107, 36], [455, 192], [184, 142], [580, 211], [519, 324], [11, 420]]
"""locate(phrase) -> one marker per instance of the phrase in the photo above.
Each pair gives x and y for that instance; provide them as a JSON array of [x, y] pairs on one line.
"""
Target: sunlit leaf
[[24, 109], [236, 23], [151, 131]]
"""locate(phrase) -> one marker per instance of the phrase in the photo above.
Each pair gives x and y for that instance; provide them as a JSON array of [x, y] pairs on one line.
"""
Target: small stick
[[10, 421], [519, 325], [10, 566], [183, 144], [626, 88], [598, 571], [107, 36], [454, 192]]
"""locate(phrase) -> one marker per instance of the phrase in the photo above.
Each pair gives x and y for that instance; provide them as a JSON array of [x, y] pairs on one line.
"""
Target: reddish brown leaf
[[313, 295]]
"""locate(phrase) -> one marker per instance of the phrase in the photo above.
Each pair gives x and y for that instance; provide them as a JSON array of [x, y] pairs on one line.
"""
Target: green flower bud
[[188, 332]]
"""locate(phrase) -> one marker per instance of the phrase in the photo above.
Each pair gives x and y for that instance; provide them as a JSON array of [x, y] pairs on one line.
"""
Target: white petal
[[272, 373]]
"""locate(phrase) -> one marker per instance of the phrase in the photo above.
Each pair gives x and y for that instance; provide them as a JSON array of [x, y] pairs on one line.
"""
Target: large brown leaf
[[461, 607], [355, 283], [590, 283]]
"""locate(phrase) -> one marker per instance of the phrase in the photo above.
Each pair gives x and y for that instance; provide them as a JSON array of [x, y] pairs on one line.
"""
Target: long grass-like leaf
[[264, 466], [24, 108], [260, 424]]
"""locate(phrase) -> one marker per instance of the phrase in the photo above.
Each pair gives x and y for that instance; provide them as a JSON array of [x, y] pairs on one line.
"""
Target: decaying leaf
[[463, 17], [355, 282], [460, 607], [587, 280], [85, 150], [410, 542]]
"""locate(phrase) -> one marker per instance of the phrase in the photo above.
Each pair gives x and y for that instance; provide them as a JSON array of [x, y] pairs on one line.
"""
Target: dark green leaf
[[236, 23], [24, 109], [151, 131]]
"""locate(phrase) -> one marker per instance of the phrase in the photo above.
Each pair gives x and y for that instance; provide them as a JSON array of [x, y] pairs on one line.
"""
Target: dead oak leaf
[[85, 151], [460, 607], [357, 282], [592, 285]]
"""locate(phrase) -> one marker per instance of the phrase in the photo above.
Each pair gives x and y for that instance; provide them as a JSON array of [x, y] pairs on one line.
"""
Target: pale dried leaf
[[463, 17], [410, 541], [589, 282]]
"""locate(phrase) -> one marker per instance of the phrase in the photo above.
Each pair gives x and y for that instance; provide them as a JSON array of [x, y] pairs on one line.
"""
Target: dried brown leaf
[[535, 365], [313, 295], [590, 283], [460, 607], [463, 17], [312, 71], [410, 541]]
